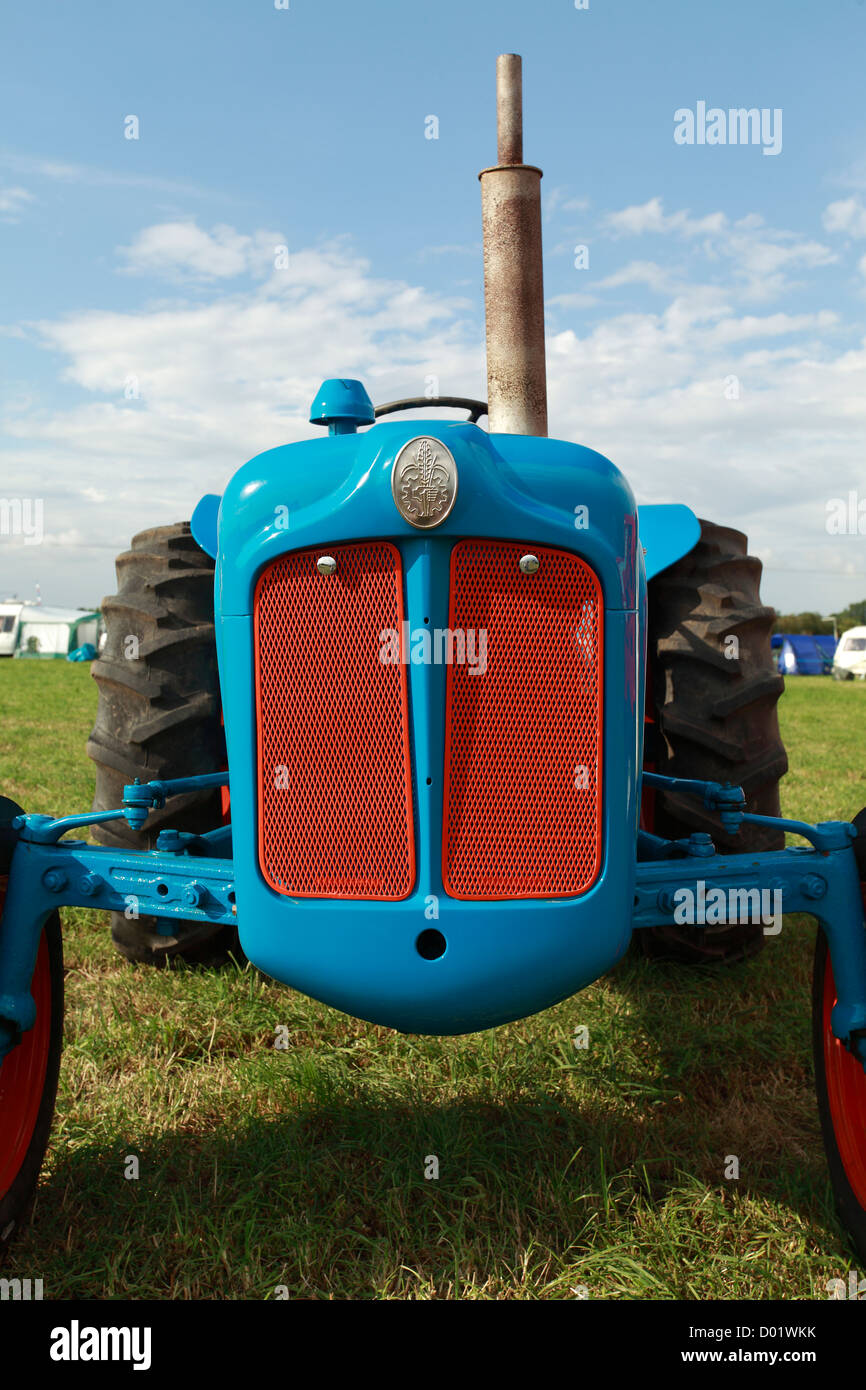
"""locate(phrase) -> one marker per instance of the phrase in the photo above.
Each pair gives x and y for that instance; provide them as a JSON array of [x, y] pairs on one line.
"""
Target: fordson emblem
[[424, 482]]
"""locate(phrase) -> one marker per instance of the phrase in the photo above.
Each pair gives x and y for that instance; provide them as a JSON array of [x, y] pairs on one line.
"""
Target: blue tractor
[[482, 721]]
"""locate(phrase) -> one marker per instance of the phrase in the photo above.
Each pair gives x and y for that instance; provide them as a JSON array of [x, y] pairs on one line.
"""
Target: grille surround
[[554, 850], [333, 727]]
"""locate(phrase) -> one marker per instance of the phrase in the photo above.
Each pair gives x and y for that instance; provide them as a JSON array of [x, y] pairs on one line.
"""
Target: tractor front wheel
[[840, 1083], [28, 1085]]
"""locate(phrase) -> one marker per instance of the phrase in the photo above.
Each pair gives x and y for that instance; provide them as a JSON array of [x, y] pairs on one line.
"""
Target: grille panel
[[516, 824], [335, 788]]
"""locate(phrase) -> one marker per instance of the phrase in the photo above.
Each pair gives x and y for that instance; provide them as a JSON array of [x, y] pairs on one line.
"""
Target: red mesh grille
[[523, 740], [335, 789]]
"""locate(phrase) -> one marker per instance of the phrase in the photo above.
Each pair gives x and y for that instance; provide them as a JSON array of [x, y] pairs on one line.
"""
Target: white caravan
[[850, 658]]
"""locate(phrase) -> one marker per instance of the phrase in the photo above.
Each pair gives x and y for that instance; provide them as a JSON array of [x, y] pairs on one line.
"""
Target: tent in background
[[803, 654], [54, 632]]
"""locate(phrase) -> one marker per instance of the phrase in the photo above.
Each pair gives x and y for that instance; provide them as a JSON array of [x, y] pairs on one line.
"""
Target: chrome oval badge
[[424, 482]]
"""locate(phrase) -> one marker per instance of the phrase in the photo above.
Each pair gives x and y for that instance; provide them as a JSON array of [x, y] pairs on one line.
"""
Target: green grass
[[558, 1169]]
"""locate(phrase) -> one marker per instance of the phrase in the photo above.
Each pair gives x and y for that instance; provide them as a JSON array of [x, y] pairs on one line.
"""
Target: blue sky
[[713, 347]]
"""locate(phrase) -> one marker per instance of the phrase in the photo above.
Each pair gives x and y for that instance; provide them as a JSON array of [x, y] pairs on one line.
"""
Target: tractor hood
[[667, 531], [339, 487]]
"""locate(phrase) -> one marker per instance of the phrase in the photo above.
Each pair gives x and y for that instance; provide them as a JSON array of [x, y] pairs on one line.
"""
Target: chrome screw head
[[529, 564], [326, 564]]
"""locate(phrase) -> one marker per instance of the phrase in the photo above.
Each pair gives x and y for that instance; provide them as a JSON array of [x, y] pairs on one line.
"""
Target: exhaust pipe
[[513, 280]]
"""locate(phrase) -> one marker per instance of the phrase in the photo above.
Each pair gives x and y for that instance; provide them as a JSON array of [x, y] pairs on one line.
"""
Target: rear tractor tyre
[[159, 716], [713, 688]]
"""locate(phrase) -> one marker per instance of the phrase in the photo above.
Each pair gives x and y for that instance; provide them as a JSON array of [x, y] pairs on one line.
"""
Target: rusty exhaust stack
[[513, 280]]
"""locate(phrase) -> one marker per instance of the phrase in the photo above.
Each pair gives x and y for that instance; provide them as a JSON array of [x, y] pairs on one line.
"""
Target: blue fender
[[667, 531], [204, 523]]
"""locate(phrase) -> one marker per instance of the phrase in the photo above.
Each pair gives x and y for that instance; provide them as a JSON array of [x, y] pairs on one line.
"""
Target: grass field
[[559, 1170]]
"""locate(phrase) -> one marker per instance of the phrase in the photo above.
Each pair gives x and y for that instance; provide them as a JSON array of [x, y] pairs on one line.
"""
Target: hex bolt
[[529, 564], [326, 564], [89, 884], [194, 894], [54, 880], [813, 886]]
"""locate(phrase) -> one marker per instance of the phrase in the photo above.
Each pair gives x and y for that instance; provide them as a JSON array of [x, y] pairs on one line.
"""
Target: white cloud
[[772, 326], [183, 250], [651, 217], [763, 262], [649, 273], [85, 174], [762, 259], [224, 378], [219, 380], [848, 216], [12, 201], [571, 301]]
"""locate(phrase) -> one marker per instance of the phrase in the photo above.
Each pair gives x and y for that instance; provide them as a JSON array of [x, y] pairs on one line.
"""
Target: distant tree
[[802, 622], [853, 616]]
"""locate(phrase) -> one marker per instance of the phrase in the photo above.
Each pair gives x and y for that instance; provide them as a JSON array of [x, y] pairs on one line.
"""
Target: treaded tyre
[[715, 716], [159, 717]]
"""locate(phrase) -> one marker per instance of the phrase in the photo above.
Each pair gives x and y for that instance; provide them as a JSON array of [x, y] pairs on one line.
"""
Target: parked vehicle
[[10, 614], [850, 658]]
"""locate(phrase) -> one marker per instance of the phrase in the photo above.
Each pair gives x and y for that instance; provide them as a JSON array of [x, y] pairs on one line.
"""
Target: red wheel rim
[[846, 1097], [22, 1074]]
